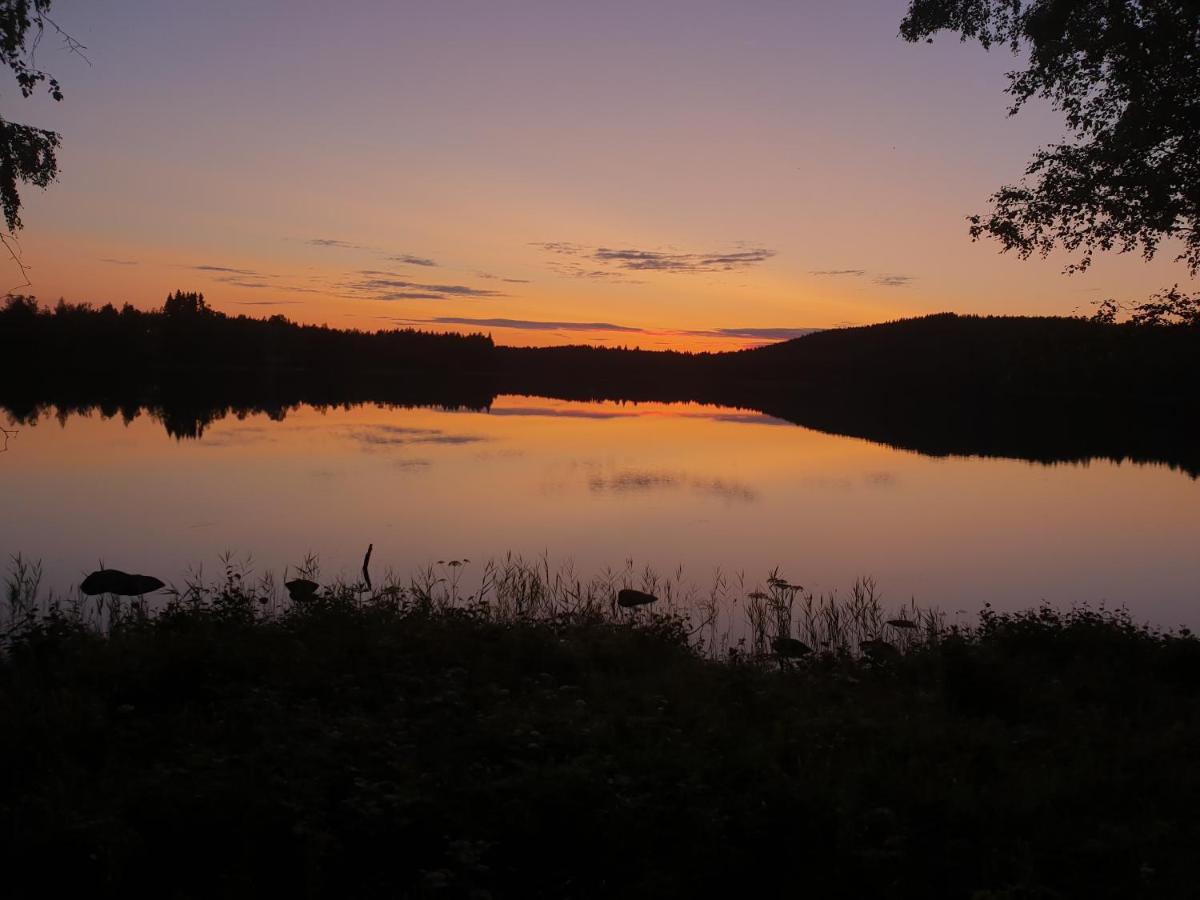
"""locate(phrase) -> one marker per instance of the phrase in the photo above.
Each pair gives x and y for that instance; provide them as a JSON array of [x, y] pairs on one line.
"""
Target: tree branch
[[13, 246]]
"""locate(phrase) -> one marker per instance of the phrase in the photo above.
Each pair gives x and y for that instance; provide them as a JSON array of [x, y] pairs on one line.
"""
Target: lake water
[[665, 485]]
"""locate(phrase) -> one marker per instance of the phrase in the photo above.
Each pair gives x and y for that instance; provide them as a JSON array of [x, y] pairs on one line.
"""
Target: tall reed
[[731, 617]]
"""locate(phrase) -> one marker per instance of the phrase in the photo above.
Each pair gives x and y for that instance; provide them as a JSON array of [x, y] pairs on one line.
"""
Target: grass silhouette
[[523, 735]]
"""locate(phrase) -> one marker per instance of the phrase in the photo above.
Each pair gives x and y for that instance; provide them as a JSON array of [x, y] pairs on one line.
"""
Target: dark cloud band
[[531, 324], [376, 288]]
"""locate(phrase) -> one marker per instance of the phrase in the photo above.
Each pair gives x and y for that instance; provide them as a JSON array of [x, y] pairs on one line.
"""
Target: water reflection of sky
[[597, 484]]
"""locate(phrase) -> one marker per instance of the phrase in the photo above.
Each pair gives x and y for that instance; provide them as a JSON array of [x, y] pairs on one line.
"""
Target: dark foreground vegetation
[[1044, 389], [381, 744]]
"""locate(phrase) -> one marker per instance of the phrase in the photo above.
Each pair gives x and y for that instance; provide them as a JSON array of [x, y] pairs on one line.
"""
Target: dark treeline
[[189, 365], [1044, 389], [187, 335]]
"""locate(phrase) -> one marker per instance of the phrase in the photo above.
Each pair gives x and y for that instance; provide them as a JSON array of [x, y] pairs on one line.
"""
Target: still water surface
[[667, 485]]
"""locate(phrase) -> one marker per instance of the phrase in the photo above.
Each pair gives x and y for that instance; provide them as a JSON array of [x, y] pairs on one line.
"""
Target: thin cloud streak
[[895, 281], [412, 260], [564, 247], [331, 242], [639, 260], [658, 261], [377, 288], [228, 270], [238, 282], [491, 277], [407, 259], [883, 280], [529, 324], [769, 334], [571, 269]]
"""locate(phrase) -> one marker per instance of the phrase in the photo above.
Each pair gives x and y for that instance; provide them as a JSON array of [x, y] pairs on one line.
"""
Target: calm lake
[[596, 484]]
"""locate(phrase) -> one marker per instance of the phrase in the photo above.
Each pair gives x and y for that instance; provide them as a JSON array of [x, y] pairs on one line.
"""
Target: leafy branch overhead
[[1126, 76], [27, 154]]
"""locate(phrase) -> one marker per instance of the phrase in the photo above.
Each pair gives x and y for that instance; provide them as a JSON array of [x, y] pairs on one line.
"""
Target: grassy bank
[[390, 743]]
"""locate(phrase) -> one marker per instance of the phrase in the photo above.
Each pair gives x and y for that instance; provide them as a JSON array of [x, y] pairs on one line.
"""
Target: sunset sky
[[664, 174]]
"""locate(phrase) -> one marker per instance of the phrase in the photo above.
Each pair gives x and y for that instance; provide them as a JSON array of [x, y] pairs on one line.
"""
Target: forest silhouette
[[1037, 388]]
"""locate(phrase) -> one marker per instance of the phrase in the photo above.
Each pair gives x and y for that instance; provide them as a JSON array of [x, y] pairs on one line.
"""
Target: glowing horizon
[[689, 175]]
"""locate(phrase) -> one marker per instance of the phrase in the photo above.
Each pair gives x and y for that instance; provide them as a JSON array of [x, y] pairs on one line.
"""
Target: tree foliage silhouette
[[27, 154], [1126, 75], [184, 305]]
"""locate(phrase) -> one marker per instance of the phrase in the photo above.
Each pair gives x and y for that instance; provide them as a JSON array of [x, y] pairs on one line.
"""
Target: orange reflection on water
[[598, 483]]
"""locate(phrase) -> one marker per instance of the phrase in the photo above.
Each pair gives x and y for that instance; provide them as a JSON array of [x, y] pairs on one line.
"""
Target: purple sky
[[690, 172]]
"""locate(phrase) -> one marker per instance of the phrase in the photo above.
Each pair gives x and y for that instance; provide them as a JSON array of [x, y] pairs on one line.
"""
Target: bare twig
[[13, 246], [70, 43]]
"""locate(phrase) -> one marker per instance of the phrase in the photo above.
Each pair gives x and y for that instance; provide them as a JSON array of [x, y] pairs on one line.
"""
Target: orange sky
[[695, 175]]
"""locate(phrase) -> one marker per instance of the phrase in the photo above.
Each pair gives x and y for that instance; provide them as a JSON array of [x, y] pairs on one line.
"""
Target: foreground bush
[[397, 747]]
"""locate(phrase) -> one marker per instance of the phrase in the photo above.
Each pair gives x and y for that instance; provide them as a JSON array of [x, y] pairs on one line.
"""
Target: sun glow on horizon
[[792, 169]]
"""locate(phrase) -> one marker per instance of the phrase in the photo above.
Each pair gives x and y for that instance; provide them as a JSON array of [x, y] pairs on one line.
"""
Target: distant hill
[[1038, 388], [989, 356], [1030, 359]]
